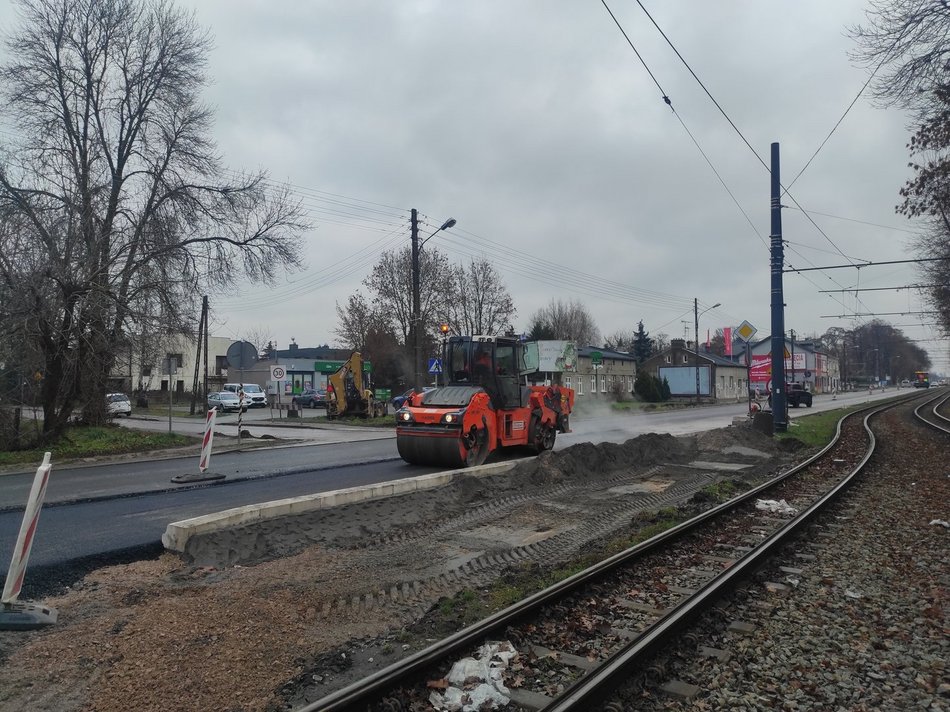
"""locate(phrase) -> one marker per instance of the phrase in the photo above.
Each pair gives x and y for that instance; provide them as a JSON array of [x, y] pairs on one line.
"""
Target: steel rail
[[940, 399], [594, 686], [356, 695]]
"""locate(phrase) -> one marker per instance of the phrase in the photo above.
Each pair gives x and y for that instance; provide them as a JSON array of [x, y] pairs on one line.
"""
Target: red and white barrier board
[[13, 614], [206, 442], [24, 540]]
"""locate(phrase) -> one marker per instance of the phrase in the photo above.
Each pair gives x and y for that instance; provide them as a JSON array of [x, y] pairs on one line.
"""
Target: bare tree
[[907, 43], [260, 337], [620, 340], [111, 193], [481, 303], [356, 320], [568, 320], [390, 284]]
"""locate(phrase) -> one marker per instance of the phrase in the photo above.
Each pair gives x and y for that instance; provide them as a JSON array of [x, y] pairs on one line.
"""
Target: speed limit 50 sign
[[277, 373]]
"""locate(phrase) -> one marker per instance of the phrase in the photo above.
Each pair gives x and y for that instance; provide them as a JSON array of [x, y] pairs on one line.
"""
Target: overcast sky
[[537, 128]]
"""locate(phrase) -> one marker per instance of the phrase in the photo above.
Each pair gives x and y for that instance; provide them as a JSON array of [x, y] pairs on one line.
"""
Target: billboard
[[682, 380], [557, 356], [761, 371]]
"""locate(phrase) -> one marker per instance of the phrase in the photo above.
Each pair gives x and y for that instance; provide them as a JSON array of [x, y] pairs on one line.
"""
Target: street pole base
[[26, 616], [198, 477]]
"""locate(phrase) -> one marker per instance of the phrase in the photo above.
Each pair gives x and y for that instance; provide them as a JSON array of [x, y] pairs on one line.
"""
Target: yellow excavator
[[349, 394]]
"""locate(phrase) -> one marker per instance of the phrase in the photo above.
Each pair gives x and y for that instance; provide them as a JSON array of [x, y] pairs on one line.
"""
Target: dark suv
[[796, 394]]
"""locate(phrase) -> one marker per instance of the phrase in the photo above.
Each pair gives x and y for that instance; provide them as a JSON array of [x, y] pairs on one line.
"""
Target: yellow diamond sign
[[746, 331]]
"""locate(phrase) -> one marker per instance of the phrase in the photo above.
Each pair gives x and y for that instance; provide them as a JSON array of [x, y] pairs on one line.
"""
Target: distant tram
[[921, 379]]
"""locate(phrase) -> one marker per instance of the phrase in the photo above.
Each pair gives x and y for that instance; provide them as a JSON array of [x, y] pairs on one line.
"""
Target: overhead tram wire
[[862, 222], [667, 100], [835, 127], [679, 118], [731, 122]]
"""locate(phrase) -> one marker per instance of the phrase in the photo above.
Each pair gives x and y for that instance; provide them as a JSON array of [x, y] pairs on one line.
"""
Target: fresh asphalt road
[[121, 505]]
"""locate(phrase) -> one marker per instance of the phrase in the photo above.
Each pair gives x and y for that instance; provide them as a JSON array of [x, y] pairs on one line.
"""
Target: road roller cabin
[[485, 404]]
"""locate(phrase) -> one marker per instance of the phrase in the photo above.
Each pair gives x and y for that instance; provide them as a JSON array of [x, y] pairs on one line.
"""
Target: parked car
[[796, 394], [397, 401], [254, 396], [310, 398], [225, 401], [118, 404]]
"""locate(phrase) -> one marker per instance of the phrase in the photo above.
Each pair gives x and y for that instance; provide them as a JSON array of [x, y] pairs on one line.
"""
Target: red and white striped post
[[14, 615], [204, 462], [206, 442]]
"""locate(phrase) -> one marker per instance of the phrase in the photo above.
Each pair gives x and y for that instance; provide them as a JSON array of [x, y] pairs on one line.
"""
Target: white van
[[254, 396]]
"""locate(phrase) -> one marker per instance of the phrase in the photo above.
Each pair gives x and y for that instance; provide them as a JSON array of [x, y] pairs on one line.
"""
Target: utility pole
[[696, 343], [792, 332], [416, 326], [204, 311], [777, 259], [202, 325], [416, 308]]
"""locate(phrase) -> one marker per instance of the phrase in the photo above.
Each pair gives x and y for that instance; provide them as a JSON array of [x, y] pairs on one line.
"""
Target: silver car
[[225, 402], [118, 404]]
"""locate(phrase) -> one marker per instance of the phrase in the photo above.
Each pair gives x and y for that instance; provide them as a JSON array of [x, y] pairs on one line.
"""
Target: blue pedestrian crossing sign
[[435, 365]]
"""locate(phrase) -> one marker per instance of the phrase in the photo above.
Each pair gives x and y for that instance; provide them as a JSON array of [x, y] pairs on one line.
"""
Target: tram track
[[629, 605]]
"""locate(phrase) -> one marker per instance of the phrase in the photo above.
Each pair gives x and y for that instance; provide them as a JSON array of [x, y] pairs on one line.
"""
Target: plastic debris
[[852, 594], [779, 506], [475, 684], [941, 523]]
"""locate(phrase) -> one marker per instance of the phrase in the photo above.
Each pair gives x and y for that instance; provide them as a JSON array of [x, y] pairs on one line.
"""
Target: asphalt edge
[[177, 534]]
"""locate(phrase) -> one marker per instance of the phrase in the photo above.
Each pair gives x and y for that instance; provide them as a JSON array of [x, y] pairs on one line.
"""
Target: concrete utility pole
[[696, 315], [792, 332], [777, 259], [416, 308], [416, 326], [696, 343]]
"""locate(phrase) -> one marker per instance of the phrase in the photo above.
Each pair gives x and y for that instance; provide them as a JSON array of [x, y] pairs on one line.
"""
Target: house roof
[[586, 351]]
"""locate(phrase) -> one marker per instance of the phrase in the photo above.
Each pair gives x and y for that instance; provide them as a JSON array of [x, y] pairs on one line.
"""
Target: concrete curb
[[177, 534]]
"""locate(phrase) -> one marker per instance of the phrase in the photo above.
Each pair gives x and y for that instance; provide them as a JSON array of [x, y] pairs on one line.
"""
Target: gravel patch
[[167, 633], [864, 626]]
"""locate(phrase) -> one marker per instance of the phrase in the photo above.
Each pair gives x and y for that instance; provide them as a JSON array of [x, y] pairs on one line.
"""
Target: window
[[732, 381], [146, 371], [603, 384], [580, 385], [567, 381], [593, 384], [669, 358], [684, 358]]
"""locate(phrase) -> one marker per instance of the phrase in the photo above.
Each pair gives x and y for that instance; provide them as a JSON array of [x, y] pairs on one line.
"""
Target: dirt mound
[[738, 435], [588, 461]]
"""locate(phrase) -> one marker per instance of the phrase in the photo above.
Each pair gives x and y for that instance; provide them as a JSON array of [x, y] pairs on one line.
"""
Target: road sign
[[745, 331], [435, 365], [277, 373], [241, 355], [596, 358]]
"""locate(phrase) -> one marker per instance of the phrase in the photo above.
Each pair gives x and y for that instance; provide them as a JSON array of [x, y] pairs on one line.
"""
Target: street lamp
[[416, 308], [696, 315]]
